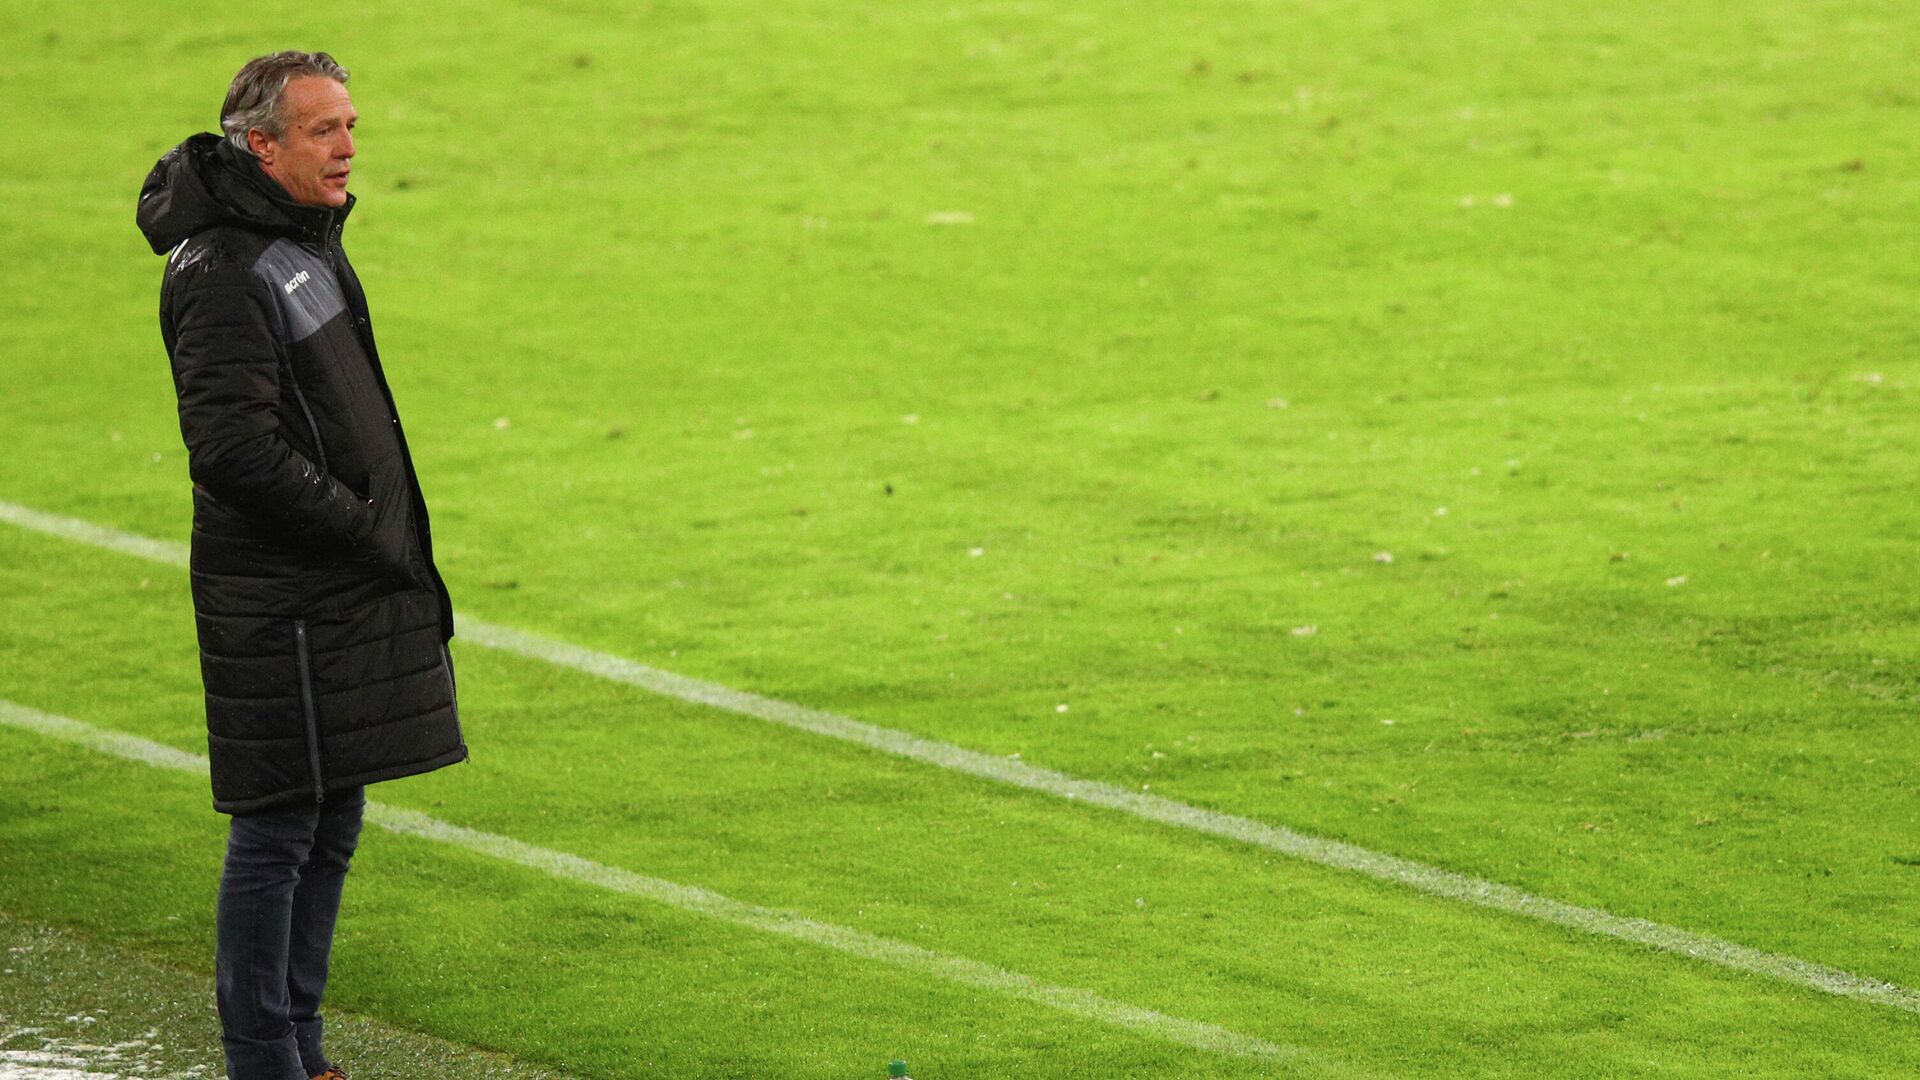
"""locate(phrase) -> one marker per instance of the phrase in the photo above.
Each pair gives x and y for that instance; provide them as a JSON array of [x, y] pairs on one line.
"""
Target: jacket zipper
[[453, 689], [307, 711], [446, 657], [318, 446]]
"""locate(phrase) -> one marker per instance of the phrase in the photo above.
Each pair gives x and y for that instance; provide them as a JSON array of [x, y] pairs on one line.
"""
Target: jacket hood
[[207, 181]]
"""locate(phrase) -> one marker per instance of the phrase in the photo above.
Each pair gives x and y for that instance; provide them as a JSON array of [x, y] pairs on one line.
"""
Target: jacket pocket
[[391, 545], [309, 714]]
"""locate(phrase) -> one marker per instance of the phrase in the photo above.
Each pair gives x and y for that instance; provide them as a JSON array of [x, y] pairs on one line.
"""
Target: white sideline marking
[[66, 1059], [86, 532], [32, 1065], [1339, 855], [982, 976]]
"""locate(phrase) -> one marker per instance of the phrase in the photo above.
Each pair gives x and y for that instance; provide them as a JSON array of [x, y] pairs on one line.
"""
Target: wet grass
[[1483, 435], [115, 1012]]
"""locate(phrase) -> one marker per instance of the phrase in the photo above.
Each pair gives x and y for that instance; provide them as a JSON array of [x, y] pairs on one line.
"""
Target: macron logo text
[[296, 281]]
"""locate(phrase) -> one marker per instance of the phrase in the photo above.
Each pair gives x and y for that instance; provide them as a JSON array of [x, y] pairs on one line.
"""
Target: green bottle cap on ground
[[896, 1068]]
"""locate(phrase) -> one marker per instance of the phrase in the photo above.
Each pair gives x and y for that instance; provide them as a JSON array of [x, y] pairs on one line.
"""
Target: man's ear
[[261, 144]]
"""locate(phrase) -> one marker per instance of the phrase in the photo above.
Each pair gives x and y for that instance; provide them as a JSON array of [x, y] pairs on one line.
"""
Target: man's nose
[[345, 149]]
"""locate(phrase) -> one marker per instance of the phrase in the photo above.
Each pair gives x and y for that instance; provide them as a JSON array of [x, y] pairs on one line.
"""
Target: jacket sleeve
[[226, 371]]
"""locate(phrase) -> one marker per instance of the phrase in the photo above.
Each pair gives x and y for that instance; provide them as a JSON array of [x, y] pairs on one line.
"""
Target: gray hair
[[253, 101]]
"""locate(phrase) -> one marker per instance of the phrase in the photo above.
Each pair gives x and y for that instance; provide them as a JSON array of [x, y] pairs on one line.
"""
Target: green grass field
[[1481, 433]]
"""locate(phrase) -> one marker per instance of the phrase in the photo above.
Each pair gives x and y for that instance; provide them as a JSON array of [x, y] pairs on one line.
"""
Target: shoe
[[333, 1073]]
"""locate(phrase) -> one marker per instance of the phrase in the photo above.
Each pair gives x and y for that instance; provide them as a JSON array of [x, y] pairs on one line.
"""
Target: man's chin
[[330, 198]]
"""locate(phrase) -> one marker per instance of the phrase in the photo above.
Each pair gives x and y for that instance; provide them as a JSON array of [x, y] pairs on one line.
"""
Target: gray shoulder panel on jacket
[[302, 285]]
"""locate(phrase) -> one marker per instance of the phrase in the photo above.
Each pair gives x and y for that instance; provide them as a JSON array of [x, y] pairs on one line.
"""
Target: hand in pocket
[[388, 545]]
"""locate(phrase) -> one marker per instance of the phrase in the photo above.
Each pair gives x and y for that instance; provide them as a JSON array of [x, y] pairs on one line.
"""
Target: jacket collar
[[316, 226]]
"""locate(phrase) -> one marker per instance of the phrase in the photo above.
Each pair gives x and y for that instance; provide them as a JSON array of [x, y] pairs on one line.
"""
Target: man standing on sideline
[[322, 620]]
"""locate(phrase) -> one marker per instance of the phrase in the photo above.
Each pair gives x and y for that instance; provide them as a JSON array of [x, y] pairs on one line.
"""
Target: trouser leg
[[316, 908], [254, 930]]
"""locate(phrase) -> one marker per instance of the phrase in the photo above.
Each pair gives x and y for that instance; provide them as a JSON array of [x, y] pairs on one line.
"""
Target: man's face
[[312, 157]]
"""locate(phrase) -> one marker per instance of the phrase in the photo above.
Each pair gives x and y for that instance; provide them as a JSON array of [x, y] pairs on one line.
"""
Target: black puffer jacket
[[323, 622]]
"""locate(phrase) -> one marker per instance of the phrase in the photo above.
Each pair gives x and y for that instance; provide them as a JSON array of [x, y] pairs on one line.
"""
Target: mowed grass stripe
[[957, 969], [1426, 878]]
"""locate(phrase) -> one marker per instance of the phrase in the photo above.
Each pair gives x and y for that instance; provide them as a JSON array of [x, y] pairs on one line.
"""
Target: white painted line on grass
[[47, 1065], [1336, 854], [86, 532], [956, 969], [65, 1059], [1332, 853]]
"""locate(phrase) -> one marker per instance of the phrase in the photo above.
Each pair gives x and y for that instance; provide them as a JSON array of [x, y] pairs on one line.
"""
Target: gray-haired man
[[322, 620]]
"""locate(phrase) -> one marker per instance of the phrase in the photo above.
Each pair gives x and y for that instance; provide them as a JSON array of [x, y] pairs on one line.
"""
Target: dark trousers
[[279, 899]]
